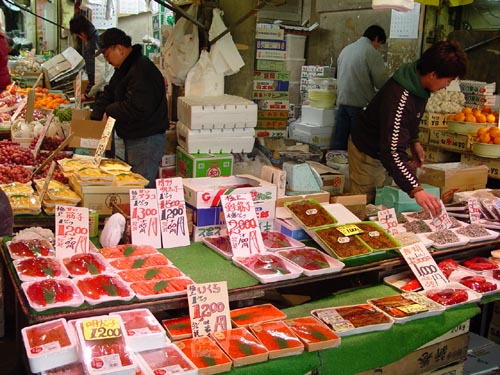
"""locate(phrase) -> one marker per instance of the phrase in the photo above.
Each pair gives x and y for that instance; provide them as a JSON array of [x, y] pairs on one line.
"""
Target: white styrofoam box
[[294, 66], [215, 140], [320, 140], [318, 116], [217, 112], [295, 45], [299, 126]]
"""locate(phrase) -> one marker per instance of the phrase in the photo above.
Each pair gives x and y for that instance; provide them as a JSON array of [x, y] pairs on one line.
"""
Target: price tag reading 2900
[[99, 329]]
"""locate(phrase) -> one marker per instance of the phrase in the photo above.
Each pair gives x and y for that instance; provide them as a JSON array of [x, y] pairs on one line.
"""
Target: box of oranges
[[434, 120]]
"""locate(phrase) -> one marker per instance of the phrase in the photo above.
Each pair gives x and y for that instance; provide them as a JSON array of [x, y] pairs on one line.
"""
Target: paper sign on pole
[[30, 106], [144, 222], [242, 225], [101, 147], [78, 90], [172, 211], [388, 220], [72, 230], [208, 308], [48, 177], [35, 85], [423, 266], [19, 109], [42, 135], [442, 221]]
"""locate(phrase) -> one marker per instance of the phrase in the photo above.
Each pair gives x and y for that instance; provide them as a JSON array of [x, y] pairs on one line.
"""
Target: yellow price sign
[[101, 328], [349, 229], [413, 309]]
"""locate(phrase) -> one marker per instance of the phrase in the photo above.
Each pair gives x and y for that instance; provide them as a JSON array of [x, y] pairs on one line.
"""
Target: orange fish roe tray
[[167, 360], [206, 355], [241, 346], [255, 314], [178, 328], [125, 263], [127, 250], [150, 274], [314, 334], [278, 338], [162, 288]]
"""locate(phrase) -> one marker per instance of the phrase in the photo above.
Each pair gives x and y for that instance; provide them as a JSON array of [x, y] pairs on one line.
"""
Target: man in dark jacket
[[136, 98], [390, 123]]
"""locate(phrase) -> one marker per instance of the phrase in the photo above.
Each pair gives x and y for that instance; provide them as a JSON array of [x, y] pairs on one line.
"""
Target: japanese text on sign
[[101, 328], [101, 147], [172, 211], [423, 266], [242, 225], [72, 230], [349, 229], [144, 222], [474, 211], [208, 308], [388, 220], [442, 221]]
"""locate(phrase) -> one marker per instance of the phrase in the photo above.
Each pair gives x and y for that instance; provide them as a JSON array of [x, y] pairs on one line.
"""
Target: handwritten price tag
[[474, 211], [101, 328], [349, 229], [172, 210], [208, 308], [78, 90], [388, 220], [423, 266], [144, 222], [103, 142], [442, 221], [41, 137], [72, 230], [242, 225]]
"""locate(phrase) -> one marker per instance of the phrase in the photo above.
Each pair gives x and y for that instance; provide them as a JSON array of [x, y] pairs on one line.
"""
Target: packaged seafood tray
[[134, 262], [52, 293], [445, 239], [409, 238], [268, 267], [219, 244], [246, 316], [102, 288], [175, 286], [241, 346], [30, 248], [375, 237], [315, 335], [205, 354], [312, 261], [127, 250], [416, 226], [354, 319], [102, 340], [309, 213], [49, 345], [150, 274], [85, 264], [476, 233], [142, 330], [403, 281], [39, 268], [167, 360], [407, 306], [452, 295], [417, 215], [278, 338], [178, 328], [274, 241], [341, 246], [480, 264], [484, 283]]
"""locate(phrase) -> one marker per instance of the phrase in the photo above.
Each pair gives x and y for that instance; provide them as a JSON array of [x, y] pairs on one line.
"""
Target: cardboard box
[[423, 135], [450, 140], [86, 133], [198, 233], [356, 203], [275, 176], [266, 75], [333, 180], [203, 165], [205, 192], [453, 177], [494, 332], [269, 31], [454, 369], [272, 65], [483, 356], [437, 155], [439, 355], [167, 172], [321, 197], [461, 329], [434, 120], [394, 197], [168, 160], [290, 228], [492, 164], [100, 198]]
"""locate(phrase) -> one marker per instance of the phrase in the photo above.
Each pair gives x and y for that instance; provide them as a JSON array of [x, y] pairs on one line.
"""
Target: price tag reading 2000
[[144, 222], [72, 230], [172, 210], [242, 225]]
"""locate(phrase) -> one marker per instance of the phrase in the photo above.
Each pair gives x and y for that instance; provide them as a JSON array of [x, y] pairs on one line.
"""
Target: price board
[[42, 135], [423, 266], [242, 225], [208, 308], [172, 211], [442, 221], [144, 222], [388, 220], [349, 229], [78, 90], [72, 230], [474, 210], [101, 328]]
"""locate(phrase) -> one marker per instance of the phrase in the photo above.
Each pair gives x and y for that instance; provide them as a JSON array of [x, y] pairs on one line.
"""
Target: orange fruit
[[451, 117], [482, 131], [490, 118], [481, 118], [460, 116], [470, 118], [467, 110], [485, 138], [487, 109], [496, 140], [494, 131]]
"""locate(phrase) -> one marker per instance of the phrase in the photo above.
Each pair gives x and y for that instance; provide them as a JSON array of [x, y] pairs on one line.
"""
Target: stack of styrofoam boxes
[[271, 81], [307, 75], [316, 126], [295, 60], [202, 197], [478, 94]]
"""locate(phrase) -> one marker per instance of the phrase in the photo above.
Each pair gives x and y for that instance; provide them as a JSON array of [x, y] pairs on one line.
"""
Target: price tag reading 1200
[[101, 328], [242, 225]]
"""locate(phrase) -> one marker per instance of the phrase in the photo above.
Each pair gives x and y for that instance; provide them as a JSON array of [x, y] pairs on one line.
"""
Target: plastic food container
[[205, 354], [246, 316], [314, 334], [312, 261], [241, 346], [167, 360], [268, 267], [278, 338]]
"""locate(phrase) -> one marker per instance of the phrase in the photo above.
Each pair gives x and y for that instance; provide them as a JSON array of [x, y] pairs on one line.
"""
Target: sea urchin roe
[[473, 230], [417, 226], [443, 237], [376, 237], [311, 213], [342, 246]]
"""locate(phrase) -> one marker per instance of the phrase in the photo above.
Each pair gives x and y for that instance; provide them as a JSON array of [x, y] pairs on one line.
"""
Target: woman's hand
[[429, 202]]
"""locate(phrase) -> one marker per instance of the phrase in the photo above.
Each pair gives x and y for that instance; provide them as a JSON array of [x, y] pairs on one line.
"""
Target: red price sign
[[474, 210], [208, 308], [72, 230], [442, 221], [388, 220], [144, 221]]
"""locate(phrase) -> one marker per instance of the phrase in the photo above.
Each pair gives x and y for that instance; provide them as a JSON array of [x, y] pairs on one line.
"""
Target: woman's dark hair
[[79, 24], [375, 31], [446, 58]]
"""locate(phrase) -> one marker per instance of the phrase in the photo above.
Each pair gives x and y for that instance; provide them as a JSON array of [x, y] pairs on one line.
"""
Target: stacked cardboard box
[[478, 94]]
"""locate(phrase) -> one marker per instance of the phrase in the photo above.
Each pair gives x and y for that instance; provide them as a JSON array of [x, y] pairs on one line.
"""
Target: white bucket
[[295, 46]]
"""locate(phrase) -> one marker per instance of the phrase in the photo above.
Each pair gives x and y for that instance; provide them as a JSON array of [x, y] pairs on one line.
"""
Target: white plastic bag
[[224, 54], [181, 50], [203, 79], [113, 230]]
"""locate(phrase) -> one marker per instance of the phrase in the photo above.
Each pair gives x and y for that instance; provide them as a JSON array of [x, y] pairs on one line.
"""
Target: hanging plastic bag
[[113, 230], [181, 50], [203, 79], [224, 54]]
